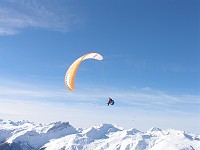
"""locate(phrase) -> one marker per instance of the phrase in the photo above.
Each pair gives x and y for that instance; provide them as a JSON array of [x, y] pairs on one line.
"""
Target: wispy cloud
[[149, 99], [55, 15], [137, 98]]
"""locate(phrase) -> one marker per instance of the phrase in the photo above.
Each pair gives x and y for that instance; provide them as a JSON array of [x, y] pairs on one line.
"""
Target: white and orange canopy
[[71, 72]]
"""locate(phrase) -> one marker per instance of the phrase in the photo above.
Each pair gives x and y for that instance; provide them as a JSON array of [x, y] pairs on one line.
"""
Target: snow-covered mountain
[[25, 135]]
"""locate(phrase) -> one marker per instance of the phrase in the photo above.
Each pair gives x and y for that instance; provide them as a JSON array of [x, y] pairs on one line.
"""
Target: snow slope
[[24, 135], [30, 136]]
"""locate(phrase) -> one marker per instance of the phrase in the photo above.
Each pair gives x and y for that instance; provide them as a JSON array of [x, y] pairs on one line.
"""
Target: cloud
[[135, 98], [54, 15]]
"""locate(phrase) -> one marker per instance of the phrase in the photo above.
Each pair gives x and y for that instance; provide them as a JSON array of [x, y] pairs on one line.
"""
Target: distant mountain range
[[25, 135]]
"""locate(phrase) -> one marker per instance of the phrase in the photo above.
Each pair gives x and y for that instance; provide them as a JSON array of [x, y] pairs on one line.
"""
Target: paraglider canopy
[[71, 72]]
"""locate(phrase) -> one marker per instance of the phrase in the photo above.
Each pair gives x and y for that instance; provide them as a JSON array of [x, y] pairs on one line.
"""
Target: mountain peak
[[58, 126], [155, 129], [132, 131]]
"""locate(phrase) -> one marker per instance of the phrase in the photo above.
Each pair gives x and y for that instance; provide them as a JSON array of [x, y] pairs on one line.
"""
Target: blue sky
[[150, 68]]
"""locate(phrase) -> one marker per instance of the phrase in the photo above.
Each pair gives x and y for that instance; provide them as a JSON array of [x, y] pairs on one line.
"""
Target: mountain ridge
[[25, 135]]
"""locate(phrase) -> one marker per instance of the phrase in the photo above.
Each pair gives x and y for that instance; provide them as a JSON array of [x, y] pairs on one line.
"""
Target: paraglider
[[110, 101], [71, 72]]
